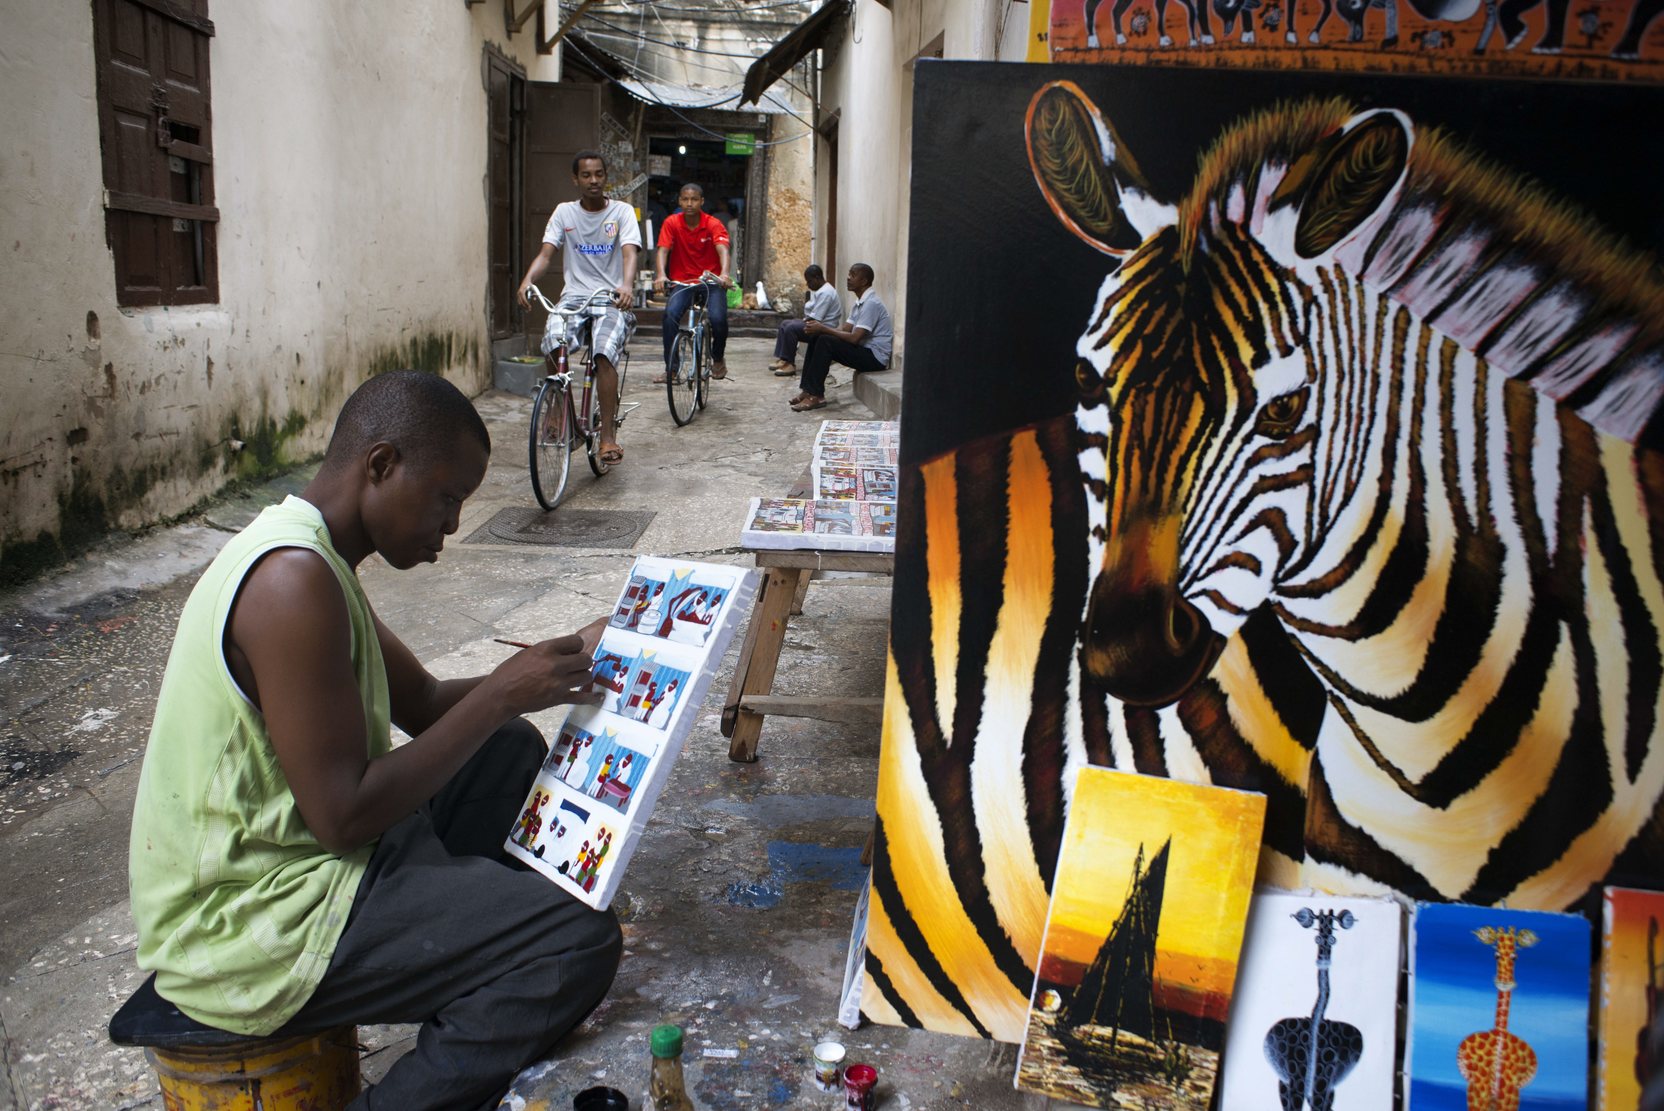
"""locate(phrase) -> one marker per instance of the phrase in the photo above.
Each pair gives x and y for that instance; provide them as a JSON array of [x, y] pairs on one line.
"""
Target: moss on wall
[[87, 513]]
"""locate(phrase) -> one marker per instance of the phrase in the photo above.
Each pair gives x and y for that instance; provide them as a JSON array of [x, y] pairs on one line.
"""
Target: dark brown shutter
[[155, 126]]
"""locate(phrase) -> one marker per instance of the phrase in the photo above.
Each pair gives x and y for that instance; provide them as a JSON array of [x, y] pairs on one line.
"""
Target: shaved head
[[422, 415]]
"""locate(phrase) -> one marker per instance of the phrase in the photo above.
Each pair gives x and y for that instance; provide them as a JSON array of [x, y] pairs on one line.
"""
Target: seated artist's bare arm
[[418, 700], [288, 643]]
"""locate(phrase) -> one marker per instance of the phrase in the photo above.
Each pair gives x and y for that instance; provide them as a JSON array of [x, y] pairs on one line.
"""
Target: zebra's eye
[[1089, 382], [1282, 414]]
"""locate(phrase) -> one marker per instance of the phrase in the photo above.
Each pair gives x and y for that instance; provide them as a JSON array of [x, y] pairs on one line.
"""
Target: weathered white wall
[[868, 80], [350, 159]]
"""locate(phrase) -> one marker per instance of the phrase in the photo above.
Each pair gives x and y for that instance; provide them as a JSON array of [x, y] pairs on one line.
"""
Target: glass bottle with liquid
[[665, 1088]]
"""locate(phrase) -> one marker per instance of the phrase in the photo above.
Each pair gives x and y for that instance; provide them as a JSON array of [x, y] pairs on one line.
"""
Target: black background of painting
[[998, 292]]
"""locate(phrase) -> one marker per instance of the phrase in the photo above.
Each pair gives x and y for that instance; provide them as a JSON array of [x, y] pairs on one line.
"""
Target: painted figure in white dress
[[666, 705]]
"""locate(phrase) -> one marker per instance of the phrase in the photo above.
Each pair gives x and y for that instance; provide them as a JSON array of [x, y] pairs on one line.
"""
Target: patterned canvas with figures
[[1325, 465], [587, 807]]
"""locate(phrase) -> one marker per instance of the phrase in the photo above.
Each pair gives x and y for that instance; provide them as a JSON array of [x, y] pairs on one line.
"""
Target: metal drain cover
[[565, 528]]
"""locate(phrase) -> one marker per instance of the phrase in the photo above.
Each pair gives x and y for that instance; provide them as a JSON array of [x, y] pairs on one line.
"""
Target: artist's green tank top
[[237, 905]]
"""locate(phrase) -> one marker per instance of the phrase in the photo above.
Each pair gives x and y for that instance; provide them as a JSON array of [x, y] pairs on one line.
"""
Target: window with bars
[[154, 121]]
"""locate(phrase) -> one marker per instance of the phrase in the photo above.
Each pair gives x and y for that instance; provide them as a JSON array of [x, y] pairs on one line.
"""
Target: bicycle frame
[[559, 359]]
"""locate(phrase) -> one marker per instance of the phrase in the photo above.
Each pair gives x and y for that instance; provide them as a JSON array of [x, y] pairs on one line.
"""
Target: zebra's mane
[[1495, 260]]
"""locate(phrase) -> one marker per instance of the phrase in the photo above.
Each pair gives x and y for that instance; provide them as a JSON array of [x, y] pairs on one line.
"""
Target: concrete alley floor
[[737, 906]]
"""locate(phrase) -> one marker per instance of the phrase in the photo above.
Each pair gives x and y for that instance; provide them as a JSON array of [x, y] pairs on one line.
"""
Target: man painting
[[290, 870]]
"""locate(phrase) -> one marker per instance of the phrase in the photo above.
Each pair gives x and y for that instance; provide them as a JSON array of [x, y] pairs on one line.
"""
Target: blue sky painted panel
[[1453, 993]]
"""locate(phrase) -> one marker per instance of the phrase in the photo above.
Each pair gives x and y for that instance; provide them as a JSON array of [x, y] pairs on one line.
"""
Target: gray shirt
[[592, 244], [823, 305], [869, 313]]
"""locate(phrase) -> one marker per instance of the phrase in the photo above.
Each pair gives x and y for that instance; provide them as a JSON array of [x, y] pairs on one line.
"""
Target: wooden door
[[561, 119], [505, 111], [831, 264]]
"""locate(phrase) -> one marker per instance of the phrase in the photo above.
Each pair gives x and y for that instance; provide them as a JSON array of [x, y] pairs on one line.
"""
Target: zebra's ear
[[1347, 181], [1088, 179]]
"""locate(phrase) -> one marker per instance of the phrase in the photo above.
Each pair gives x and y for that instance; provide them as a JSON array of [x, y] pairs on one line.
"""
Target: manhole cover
[[566, 528]]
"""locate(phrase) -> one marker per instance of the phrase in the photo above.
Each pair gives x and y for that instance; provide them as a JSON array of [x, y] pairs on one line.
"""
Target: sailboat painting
[[1499, 1009], [1140, 950], [1314, 1021], [1631, 995]]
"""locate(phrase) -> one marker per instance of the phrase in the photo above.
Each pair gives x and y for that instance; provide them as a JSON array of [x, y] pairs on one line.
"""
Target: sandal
[[808, 404], [719, 368], [658, 379], [612, 453]]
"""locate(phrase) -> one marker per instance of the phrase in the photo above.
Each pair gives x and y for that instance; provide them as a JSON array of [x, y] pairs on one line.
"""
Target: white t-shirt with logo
[[591, 244]]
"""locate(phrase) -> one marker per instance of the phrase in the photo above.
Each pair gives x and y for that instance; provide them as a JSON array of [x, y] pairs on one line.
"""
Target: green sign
[[740, 142]]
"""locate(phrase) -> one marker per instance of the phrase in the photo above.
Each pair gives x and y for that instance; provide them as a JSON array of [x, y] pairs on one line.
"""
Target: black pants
[[494, 960], [822, 352], [716, 307], [786, 339]]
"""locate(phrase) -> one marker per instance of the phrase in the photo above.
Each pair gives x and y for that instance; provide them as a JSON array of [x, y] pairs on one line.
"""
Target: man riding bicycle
[[689, 245], [598, 239]]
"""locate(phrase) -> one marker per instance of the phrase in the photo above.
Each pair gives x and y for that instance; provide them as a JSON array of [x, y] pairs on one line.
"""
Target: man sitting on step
[[290, 871], [822, 304]]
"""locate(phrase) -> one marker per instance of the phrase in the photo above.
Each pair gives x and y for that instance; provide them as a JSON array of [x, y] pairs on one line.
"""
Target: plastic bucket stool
[[312, 1072]]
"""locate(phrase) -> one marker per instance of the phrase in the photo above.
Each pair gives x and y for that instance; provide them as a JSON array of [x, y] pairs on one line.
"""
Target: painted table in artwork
[[786, 576]]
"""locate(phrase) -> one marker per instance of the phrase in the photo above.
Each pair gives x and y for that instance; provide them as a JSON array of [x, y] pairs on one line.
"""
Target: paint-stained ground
[[738, 904]]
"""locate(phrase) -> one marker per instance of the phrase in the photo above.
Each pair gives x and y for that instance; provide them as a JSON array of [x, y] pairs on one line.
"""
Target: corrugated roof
[[699, 96]]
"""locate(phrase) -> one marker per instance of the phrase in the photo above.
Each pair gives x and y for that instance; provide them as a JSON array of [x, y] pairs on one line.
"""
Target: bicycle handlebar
[[601, 295], [707, 278]]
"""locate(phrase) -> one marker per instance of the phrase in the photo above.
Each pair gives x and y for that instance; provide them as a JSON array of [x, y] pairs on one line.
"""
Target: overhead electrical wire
[[578, 44]]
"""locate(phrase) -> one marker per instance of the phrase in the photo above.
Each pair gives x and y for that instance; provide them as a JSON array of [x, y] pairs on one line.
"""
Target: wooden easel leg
[[801, 591], [759, 658]]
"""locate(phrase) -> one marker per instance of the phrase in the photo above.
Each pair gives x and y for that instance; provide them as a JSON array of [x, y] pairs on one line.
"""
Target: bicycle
[[558, 420], [687, 389]]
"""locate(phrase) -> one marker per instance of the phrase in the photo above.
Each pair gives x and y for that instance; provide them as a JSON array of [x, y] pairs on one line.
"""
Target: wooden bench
[[201, 1068], [751, 697]]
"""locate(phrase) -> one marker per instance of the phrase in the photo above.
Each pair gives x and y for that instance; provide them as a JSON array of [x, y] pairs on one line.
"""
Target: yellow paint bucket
[[314, 1072]]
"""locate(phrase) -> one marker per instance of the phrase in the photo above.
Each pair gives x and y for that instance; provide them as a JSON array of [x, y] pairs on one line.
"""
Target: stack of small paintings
[[1499, 1009], [1314, 1021], [852, 502], [607, 765], [858, 526], [1141, 943], [1631, 993]]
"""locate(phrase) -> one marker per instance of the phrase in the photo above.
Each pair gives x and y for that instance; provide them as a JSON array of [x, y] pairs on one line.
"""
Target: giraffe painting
[[1499, 1009], [1497, 1063]]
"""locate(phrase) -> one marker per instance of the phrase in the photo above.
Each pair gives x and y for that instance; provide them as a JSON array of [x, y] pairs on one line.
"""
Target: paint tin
[[829, 1064], [859, 1082], [601, 1099]]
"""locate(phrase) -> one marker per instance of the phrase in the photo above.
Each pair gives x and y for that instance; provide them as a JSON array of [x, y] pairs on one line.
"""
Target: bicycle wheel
[[551, 444], [592, 441], [681, 381], [704, 348]]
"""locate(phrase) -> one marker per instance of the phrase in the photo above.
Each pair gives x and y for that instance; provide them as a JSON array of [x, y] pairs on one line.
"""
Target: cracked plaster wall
[[350, 159]]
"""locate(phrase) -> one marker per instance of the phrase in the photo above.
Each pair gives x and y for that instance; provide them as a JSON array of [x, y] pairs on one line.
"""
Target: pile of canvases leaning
[[1338, 491]]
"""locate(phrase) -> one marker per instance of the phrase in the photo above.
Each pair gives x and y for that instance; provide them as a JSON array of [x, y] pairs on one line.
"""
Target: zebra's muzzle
[[1145, 647]]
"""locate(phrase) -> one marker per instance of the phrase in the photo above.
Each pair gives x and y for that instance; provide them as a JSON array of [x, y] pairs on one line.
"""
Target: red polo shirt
[[692, 250]]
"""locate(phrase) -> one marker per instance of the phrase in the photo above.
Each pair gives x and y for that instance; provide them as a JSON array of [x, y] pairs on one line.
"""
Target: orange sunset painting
[[1140, 954], [1632, 991]]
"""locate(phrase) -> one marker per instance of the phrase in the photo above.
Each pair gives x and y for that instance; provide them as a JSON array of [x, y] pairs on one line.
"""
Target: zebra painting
[[1358, 507]]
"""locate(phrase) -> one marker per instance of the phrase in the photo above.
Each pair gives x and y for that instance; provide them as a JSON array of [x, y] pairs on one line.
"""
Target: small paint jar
[[859, 1083], [829, 1065], [601, 1099]]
